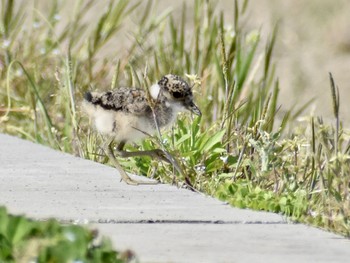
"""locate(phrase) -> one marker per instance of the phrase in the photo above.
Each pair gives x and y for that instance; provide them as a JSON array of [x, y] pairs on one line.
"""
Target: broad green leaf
[[18, 228], [213, 140], [183, 139]]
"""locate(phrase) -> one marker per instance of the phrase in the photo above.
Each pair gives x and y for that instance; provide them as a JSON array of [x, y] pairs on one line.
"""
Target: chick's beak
[[193, 108]]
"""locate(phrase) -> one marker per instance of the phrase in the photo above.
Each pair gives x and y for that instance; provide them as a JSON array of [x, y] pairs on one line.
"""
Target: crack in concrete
[[169, 221], [213, 222]]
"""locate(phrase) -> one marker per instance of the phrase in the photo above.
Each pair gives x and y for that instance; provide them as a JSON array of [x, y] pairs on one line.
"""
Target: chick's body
[[126, 114]]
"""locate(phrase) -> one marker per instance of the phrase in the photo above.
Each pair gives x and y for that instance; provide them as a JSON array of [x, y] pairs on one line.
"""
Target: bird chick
[[126, 114]]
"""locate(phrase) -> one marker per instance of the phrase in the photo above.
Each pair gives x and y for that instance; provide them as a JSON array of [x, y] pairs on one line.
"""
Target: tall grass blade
[[268, 52], [246, 63], [270, 118], [115, 76], [335, 103], [41, 104]]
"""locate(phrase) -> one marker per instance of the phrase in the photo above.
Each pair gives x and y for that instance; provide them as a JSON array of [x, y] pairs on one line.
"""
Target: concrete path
[[160, 223]]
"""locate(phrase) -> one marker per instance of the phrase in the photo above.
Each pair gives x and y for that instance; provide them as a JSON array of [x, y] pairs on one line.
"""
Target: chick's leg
[[125, 177]]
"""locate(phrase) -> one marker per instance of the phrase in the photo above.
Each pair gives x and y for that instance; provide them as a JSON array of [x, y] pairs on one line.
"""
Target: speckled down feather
[[131, 100], [126, 114]]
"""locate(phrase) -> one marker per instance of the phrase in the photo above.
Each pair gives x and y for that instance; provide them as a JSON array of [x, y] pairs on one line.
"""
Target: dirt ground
[[313, 40]]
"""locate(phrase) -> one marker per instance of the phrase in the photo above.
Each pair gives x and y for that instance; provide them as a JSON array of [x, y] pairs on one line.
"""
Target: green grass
[[25, 240], [246, 148]]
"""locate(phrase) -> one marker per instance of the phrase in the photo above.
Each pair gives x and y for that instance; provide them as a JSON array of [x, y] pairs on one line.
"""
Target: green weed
[[26, 240]]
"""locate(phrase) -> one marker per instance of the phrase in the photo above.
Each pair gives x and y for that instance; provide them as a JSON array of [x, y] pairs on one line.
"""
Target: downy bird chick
[[125, 114]]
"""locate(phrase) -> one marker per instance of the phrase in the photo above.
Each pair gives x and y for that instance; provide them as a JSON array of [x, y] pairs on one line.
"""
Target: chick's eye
[[177, 95]]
